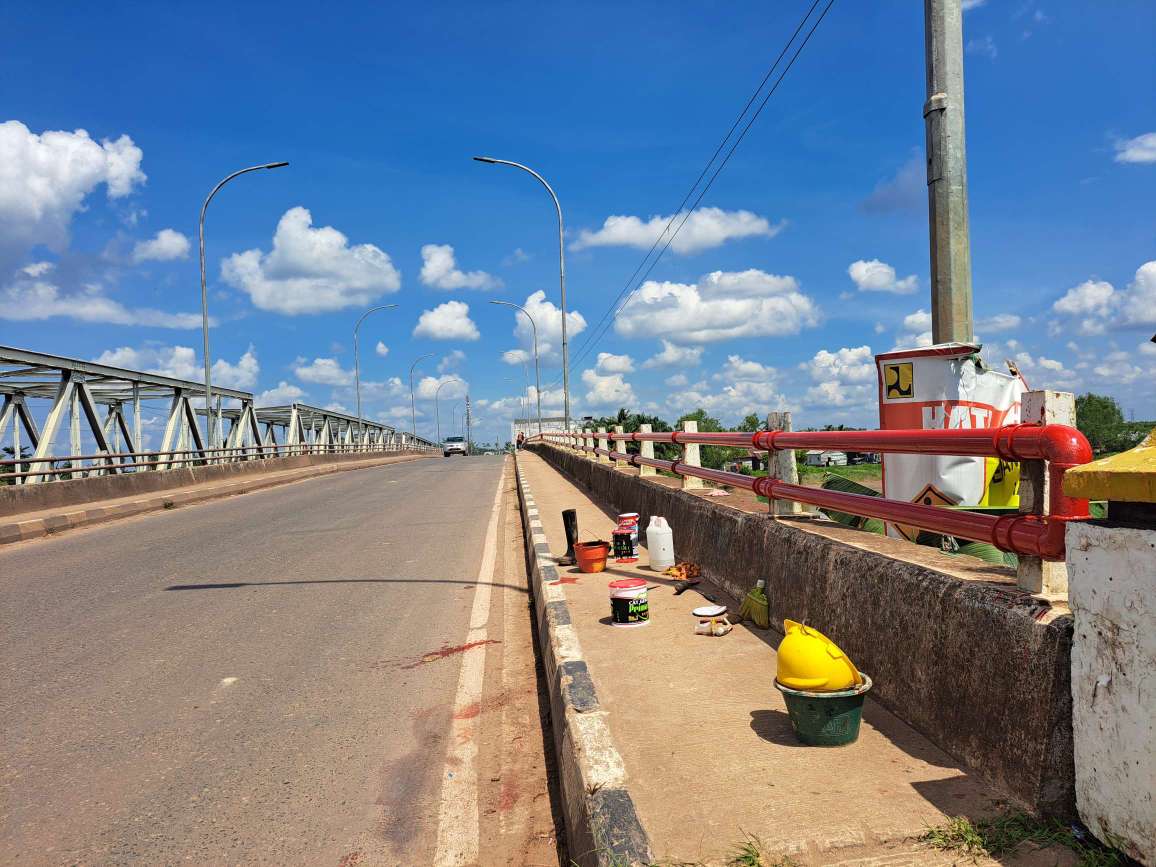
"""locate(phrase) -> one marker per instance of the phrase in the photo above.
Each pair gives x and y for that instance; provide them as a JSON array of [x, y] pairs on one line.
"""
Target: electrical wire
[[599, 331]]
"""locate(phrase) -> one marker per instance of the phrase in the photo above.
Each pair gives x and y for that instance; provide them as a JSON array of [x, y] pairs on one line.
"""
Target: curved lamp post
[[437, 412], [357, 364], [537, 376], [412, 406], [210, 427], [561, 277]]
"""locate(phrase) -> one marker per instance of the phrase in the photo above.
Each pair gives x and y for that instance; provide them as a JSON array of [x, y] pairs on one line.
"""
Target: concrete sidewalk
[[32, 525], [706, 743]]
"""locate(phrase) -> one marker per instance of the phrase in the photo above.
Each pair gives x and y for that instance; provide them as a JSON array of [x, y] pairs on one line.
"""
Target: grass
[[857, 472], [1003, 834]]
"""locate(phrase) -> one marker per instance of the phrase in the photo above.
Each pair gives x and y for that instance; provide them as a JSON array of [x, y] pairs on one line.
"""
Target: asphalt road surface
[[274, 678]]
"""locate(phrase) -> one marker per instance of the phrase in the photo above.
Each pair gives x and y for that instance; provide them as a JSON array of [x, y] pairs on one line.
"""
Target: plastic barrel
[[826, 719]]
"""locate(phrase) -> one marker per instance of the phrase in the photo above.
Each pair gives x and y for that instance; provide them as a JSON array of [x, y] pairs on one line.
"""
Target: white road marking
[[458, 821]]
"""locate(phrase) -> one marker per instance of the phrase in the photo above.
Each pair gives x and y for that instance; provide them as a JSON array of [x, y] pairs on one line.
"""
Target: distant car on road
[[454, 446]]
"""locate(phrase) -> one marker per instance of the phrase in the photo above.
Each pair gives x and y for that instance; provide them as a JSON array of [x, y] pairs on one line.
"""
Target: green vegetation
[[1002, 835], [1101, 420]]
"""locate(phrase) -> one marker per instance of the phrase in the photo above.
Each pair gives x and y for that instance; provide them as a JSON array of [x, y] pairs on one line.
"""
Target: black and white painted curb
[[602, 826]]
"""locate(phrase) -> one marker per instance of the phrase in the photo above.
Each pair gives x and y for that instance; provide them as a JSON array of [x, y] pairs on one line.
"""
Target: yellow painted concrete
[[1127, 477]]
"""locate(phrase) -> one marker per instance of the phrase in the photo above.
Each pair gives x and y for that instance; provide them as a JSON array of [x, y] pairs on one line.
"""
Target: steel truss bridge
[[102, 405]]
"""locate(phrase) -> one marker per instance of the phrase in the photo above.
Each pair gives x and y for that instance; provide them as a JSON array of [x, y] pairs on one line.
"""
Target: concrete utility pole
[[947, 173]]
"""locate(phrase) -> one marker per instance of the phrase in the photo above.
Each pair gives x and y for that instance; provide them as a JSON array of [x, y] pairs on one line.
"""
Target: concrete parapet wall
[[954, 648], [19, 499]]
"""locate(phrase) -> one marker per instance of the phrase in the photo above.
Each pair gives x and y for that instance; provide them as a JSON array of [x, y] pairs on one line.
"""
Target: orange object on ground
[[591, 556]]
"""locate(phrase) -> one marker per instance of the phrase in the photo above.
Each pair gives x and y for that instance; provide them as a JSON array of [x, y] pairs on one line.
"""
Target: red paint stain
[[443, 652], [565, 580], [469, 711]]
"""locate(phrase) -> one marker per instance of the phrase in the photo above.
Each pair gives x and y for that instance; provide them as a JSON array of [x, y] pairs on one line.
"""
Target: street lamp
[[561, 278], [437, 413], [210, 429], [357, 364], [412, 406], [537, 377]]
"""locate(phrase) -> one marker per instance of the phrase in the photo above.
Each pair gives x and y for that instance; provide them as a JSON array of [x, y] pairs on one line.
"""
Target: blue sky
[[379, 109]]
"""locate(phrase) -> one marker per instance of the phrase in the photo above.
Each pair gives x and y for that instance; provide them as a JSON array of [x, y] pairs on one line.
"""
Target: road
[[274, 678]]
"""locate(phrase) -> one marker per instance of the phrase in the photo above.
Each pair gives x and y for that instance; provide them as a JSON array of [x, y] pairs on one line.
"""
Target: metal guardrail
[[1060, 446], [112, 463]]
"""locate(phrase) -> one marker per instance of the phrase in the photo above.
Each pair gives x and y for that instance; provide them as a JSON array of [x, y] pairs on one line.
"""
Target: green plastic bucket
[[826, 719]]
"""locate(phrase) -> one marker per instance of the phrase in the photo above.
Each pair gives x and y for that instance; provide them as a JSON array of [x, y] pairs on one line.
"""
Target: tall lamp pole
[[412, 405], [537, 376], [561, 278], [357, 364], [437, 412], [210, 428]]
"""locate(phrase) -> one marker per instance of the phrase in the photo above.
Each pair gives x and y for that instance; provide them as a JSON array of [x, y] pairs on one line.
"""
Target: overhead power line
[[635, 282]]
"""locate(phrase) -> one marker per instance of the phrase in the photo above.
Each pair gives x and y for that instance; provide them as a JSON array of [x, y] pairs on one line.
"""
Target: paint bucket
[[626, 538], [591, 556], [826, 719], [628, 603]]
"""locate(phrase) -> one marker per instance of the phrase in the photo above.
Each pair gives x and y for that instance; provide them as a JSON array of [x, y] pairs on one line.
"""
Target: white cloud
[[449, 321], [1090, 298], [916, 331], [44, 180], [845, 377], [738, 369], [181, 362], [516, 356], [440, 271], [733, 402], [610, 364], [311, 270], [721, 306], [671, 356], [995, 324], [972, 4], [678, 380], [451, 361], [984, 45], [241, 375], [905, 191], [1138, 304], [871, 275], [281, 394], [1141, 149], [33, 300], [1118, 368], [168, 244], [427, 387], [608, 391], [1147, 348], [322, 371], [548, 318], [381, 349], [705, 229]]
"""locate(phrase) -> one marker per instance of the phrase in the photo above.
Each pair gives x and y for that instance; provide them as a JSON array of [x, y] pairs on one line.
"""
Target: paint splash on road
[[449, 650], [563, 580]]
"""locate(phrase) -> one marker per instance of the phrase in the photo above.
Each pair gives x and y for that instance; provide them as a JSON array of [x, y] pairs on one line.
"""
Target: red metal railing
[[1060, 446]]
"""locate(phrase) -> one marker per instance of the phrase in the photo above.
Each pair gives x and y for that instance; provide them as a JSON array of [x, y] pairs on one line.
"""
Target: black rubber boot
[[570, 523]]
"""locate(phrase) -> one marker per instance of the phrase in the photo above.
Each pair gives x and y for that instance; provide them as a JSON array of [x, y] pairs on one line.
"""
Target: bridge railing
[[1034, 535], [31, 471]]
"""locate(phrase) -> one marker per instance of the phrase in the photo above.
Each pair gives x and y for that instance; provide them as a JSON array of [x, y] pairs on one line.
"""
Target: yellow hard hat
[[809, 660]]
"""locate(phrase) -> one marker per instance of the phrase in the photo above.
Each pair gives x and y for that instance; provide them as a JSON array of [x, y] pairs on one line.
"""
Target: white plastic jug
[[660, 543]]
